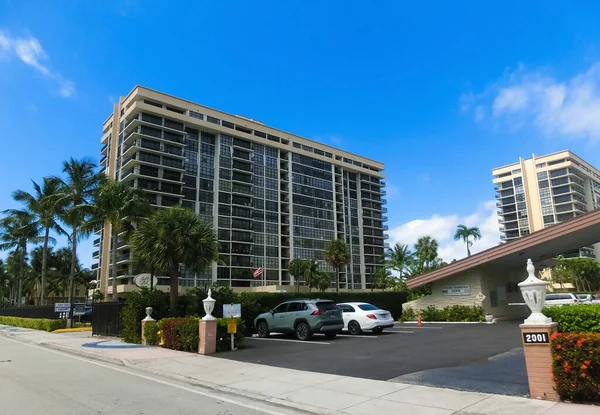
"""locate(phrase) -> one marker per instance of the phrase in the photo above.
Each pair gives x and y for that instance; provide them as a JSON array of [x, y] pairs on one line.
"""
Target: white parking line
[[357, 335], [397, 331], [284, 340]]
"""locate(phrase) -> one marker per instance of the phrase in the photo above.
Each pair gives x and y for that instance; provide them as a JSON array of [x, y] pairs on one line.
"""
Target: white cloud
[[30, 51], [567, 107], [442, 228]]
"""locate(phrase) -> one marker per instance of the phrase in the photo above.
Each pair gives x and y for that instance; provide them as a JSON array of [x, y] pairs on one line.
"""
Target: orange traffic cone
[[419, 323]]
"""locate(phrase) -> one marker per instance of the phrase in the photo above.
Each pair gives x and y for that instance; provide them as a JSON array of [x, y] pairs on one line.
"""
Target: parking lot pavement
[[402, 350]]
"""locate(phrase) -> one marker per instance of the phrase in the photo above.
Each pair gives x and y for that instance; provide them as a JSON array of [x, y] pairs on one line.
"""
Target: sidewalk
[[313, 392]]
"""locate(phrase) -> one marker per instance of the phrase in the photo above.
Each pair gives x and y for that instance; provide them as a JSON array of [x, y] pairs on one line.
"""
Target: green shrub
[[188, 332], [45, 324], [454, 313], [224, 338], [176, 332], [580, 318], [151, 332], [576, 366], [135, 311]]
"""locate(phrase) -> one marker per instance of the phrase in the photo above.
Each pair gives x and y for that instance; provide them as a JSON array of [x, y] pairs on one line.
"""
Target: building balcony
[[96, 254]]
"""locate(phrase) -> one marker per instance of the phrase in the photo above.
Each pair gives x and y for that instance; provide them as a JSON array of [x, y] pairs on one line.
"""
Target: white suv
[[561, 299]]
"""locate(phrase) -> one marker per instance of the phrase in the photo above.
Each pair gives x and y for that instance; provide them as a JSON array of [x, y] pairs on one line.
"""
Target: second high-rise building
[[271, 196]]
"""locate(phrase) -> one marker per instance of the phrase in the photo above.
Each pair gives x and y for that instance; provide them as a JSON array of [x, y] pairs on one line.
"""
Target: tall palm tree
[[337, 254], [399, 259], [426, 256], [172, 237], [17, 229], [77, 197], [43, 205], [297, 268], [120, 206], [463, 232], [58, 283]]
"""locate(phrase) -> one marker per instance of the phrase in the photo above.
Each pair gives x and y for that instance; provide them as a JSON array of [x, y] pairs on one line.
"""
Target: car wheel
[[330, 335], [354, 327], [302, 331], [377, 330], [262, 329]]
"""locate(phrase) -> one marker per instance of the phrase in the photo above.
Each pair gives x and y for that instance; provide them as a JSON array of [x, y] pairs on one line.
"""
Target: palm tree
[[426, 256], [43, 205], [337, 254], [172, 237], [297, 268], [120, 206], [77, 196], [399, 259], [463, 232], [17, 229]]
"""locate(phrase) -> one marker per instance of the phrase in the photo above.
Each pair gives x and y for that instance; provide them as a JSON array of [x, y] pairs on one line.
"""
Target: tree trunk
[[44, 266], [21, 274], [72, 273], [174, 290], [337, 277], [113, 269]]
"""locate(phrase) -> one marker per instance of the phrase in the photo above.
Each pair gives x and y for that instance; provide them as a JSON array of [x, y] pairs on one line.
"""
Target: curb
[[77, 330], [448, 322]]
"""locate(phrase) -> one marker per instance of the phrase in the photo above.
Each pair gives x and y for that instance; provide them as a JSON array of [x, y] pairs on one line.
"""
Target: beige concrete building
[[271, 196], [545, 190]]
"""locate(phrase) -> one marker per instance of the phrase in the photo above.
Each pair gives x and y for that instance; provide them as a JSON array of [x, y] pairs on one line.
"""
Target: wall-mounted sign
[[143, 280], [481, 297], [536, 338], [232, 310], [456, 290]]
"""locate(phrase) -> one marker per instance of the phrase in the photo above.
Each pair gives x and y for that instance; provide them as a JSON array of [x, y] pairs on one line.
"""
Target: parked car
[[558, 299], [365, 316], [585, 298], [301, 317]]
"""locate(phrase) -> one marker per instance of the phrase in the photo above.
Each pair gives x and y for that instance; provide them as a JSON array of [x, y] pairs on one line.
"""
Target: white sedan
[[365, 316]]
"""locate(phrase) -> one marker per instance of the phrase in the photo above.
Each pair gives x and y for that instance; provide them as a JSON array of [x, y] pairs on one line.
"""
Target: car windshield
[[367, 307], [326, 306], [582, 296]]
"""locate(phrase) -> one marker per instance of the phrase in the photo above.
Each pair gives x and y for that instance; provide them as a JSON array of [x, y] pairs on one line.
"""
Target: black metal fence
[[40, 311], [106, 319]]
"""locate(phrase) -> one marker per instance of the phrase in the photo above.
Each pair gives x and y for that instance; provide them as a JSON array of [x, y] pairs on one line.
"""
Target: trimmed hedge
[[182, 333], [151, 330], [45, 324], [580, 318], [576, 366], [455, 313]]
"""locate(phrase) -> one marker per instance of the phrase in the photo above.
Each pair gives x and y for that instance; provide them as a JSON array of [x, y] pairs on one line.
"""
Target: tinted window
[[566, 297], [551, 297], [281, 308], [296, 307], [582, 296], [326, 306], [367, 307], [346, 308]]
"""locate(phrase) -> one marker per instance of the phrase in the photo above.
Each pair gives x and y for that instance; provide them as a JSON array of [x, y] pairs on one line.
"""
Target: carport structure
[[490, 278]]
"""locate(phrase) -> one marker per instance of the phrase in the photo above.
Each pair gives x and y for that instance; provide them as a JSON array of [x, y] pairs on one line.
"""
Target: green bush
[[576, 366], [176, 332], [454, 313], [45, 324], [151, 332], [580, 318], [188, 332], [224, 338], [135, 310]]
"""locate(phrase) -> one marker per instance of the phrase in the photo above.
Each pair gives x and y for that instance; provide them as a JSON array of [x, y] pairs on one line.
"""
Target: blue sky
[[441, 92]]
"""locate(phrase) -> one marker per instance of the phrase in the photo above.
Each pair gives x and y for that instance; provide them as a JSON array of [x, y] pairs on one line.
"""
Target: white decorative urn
[[534, 293], [148, 314], [209, 306]]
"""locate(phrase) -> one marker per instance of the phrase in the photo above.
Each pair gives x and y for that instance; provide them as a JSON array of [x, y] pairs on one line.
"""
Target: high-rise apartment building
[[270, 195], [542, 191]]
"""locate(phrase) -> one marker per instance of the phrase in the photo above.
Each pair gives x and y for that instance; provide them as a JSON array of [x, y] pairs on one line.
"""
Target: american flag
[[258, 272]]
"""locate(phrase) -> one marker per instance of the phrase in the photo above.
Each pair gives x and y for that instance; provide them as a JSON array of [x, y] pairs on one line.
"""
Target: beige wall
[[481, 281]]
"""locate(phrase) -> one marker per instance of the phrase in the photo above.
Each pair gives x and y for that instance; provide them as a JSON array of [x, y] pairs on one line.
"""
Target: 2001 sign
[[536, 338]]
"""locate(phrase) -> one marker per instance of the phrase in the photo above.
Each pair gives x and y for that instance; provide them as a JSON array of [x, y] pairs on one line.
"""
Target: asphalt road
[[34, 380], [406, 350]]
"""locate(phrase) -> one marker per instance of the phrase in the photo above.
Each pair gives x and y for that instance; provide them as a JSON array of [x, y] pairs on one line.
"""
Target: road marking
[[357, 335], [284, 340], [153, 379], [397, 331]]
